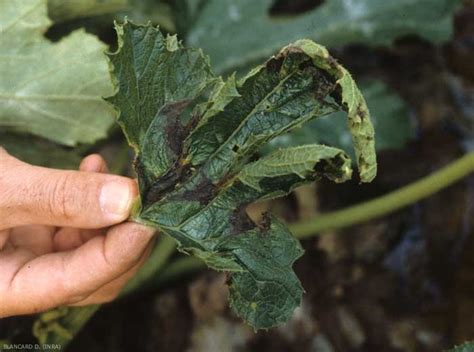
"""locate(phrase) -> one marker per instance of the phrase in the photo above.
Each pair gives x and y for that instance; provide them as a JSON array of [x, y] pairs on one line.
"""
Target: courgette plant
[[196, 137], [27, 53]]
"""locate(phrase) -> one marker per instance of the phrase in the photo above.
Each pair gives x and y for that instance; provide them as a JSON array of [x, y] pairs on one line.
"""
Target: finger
[[35, 238], [73, 276], [68, 238], [94, 163], [4, 235], [36, 195], [111, 291]]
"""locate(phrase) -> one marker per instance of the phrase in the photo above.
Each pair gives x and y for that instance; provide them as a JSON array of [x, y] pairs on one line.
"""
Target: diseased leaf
[[195, 159], [52, 90], [162, 78], [354, 103], [265, 293], [239, 33], [388, 112], [299, 161]]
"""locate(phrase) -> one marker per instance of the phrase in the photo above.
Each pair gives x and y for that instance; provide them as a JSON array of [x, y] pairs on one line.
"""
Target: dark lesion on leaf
[[265, 223], [360, 112], [332, 62], [307, 63], [204, 192], [275, 63], [175, 131], [240, 221], [192, 123], [336, 95], [325, 84], [295, 59], [166, 183], [291, 49], [328, 167]]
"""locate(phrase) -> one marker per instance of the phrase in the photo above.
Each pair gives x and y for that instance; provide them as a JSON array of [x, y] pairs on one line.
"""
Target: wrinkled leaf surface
[[196, 137]]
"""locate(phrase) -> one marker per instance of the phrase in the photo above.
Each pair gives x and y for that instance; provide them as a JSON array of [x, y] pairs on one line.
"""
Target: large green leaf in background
[[389, 114], [238, 33], [196, 178], [61, 10], [38, 151], [465, 347], [156, 11], [52, 90]]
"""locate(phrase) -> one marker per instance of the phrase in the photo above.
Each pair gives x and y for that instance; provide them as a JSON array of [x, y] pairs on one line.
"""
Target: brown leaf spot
[[240, 221], [166, 183], [203, 193]]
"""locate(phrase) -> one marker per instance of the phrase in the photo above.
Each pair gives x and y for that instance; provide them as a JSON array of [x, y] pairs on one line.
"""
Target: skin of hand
[[63, 239]]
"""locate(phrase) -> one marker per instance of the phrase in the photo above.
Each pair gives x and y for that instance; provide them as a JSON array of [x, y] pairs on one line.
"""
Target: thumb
[[37, 195]]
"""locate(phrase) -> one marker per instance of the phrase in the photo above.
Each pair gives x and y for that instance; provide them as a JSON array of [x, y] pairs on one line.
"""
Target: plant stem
[[388, 203], [63, 329], [158, 258], [182, 266]]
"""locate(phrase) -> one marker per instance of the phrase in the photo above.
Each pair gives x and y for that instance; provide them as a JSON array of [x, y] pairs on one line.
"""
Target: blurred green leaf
[[61, 10], [465, 347], [389, 115], [185, 13], [41, 152], [158, 12], [53, 90], [238, 33]]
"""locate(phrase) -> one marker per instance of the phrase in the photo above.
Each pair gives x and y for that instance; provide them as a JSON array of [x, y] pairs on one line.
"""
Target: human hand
[[59, 239]]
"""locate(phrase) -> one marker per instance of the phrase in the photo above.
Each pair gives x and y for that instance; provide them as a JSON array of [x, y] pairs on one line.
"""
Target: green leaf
[[60, 10], [195, 158], [185, 13], [38, 151], [52, 90], [389, 115], [354, 103], [465, 347], [238, 33], [299, 161], [157, 12]]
